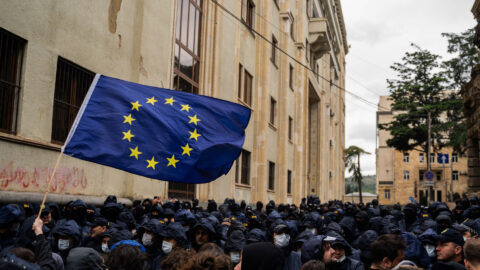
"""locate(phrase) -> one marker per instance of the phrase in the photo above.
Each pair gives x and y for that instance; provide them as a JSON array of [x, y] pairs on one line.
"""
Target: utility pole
[[430, 189], [451, 179]]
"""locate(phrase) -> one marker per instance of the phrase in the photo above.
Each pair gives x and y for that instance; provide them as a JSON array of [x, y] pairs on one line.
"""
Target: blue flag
[[157, 133]]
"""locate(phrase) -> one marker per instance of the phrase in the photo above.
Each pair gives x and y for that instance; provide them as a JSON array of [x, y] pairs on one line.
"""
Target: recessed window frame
[[273, 110], [271, 176], [12, 49], [289, 182]]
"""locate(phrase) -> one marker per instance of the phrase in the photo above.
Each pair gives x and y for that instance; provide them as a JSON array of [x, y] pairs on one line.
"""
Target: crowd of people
[[156, 234]]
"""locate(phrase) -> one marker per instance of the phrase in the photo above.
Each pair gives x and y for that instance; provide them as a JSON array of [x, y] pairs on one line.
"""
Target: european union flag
[[157, 133]]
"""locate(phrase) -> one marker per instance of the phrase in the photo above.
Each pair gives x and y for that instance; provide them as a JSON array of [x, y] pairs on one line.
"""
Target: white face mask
[[105, 248], [167, 247], [342, 259], [235, 256], [147, 239], [63, 244], [430, 250], [465, 239], [313, 230], [282, 240]]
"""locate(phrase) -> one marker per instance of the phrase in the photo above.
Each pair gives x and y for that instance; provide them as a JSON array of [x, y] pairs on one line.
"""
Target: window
[[186, 72], [187, 46], [289, 182], [406, 157], [273, 105], [455, 175], [249, 14], [421, 158], [439, 195], [247, 93], [274, 50], [439, 176], [245, 89], [386, 194], [432, 158], [240, 72], [11, 57], [421, 175], [454, 157], [71, 86], [290, 127], [406, 175], [271, 175], [292, 29], [290, 77], [242, 173]]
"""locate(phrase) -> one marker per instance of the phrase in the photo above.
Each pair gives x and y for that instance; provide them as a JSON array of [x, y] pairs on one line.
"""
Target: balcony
[[318, 36]]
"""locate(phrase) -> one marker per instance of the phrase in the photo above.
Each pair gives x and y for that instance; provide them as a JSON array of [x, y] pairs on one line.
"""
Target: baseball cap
[[450, 235]]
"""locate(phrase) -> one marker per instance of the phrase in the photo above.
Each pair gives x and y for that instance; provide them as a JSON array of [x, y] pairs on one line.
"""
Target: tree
[[420, 88], [457, 70], [352, 162], [417, 90]]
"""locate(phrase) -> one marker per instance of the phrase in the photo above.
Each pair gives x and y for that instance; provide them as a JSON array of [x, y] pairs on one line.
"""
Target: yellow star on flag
[[151, 100], [172, 161], [127, 135], [135, 152], [169, 101], [128, 119], [152, 163], [194, 135], [186, 149], [136, 105], [185, 107], [194, 119]]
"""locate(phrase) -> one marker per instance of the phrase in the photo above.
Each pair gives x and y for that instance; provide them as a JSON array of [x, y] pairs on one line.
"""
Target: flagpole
[[49, 183]]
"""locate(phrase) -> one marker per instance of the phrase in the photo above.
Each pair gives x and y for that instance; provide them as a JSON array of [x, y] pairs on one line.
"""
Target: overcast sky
[[379, 33]]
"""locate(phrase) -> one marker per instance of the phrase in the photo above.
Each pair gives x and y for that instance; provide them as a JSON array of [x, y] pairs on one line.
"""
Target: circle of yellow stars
[[135, 152]]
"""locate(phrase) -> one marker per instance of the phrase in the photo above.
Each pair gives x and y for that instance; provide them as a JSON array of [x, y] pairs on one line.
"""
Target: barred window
[[271, 175], [289, 182], [71, 86], [11, 57]]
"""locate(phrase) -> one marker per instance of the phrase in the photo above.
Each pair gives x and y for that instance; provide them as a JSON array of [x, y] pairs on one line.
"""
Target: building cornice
[[342, 25]]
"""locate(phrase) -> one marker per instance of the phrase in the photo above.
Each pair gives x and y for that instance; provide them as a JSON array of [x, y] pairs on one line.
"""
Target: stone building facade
[[471, 107], [401, 175], [295, 139]]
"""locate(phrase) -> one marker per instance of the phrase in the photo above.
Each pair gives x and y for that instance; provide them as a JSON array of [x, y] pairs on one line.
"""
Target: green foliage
[[369, 183], [420, 88], [352, 164]]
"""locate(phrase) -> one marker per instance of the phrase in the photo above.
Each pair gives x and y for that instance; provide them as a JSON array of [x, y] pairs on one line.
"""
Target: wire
[[374, 105]]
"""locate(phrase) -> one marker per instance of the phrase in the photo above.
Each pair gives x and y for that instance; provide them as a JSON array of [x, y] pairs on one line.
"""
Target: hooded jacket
[[83, 258], [262, 256]]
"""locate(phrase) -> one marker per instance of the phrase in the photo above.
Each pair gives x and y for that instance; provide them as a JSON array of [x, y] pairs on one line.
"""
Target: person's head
[[281, 235], [472, 254], [99, 226], [65, 242], [126, 257], [387, 251], [201, 236], [449, 246], [328, 252], [23, 253], [340, 252], [313, 265], [177, 259], [205, 260]]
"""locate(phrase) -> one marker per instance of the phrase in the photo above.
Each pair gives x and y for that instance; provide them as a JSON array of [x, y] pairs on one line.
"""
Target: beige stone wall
[[391, 167], [134, 40]]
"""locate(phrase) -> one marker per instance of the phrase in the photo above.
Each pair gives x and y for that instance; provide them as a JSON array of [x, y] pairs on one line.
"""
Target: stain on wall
[[142, 70], [66, 180], [113, 10]]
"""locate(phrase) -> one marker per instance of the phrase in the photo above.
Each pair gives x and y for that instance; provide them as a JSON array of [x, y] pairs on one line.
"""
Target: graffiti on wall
[[18, 178]]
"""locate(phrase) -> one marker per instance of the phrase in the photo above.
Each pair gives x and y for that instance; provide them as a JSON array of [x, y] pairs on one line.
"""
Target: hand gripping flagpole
[[49, 184]]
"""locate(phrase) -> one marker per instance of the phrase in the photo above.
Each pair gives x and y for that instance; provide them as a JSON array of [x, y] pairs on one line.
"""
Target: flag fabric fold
[[157, 133]]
